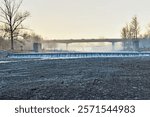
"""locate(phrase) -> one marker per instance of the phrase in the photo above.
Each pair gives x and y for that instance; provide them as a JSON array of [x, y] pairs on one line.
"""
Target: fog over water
[[90, 47]]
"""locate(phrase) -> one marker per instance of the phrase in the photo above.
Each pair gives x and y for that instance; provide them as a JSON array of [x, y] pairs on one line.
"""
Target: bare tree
[[12, 19], [131, 30], [147, 33], [36, 38], [135, 28], [126, 32]]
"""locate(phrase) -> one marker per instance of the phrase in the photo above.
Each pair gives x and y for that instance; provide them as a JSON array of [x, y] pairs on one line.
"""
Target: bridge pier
[[124, 45], [113, 46], [136, 45], [67, 46]]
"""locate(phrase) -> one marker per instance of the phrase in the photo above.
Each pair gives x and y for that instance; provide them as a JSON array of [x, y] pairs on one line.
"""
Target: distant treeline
[[25, 42], [132, 30]]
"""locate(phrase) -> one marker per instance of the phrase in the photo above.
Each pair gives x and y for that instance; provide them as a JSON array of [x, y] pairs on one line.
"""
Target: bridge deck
[[83, 40]]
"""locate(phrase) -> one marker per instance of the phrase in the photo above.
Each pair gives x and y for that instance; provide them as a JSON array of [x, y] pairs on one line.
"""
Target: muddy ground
[[76, 79]]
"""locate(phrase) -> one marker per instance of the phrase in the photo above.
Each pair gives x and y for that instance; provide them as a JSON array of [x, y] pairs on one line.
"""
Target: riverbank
[[90, 78]]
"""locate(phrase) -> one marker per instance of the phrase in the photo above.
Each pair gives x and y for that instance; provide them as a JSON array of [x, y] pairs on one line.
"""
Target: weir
[[77, 55]]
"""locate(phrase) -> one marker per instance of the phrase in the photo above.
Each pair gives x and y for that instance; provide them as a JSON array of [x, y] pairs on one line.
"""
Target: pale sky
[[61, 19]]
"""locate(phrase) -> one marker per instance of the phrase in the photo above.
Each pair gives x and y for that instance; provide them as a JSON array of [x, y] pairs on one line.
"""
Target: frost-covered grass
[[90, 78]]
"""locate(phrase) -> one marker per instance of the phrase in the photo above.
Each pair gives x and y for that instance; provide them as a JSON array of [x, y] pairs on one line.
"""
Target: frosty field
[[70, 79]]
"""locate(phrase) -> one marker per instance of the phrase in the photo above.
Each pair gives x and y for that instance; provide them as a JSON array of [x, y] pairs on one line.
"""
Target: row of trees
[[132, 30]]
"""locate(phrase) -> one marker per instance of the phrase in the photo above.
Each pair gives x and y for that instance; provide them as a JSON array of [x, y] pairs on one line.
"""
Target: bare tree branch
[[3, 22], [15, 9]]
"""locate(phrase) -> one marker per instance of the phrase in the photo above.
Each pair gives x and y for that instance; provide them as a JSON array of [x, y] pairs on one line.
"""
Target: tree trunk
[[12, 41]]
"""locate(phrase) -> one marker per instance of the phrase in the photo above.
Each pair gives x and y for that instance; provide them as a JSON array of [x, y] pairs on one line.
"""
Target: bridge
[[112, 41], [83, 40]]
